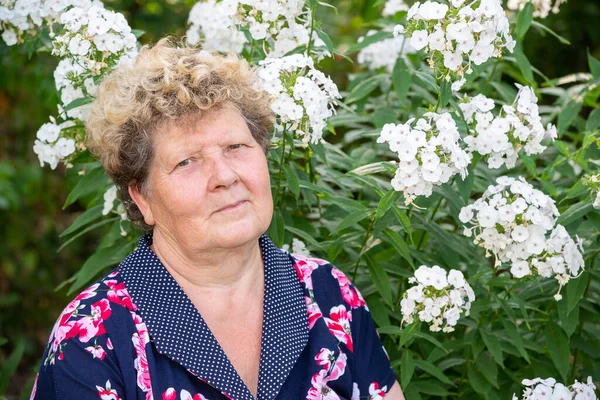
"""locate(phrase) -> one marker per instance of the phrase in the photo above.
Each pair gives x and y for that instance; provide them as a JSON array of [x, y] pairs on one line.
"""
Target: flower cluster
[[303, 97], [91, 42], [593, 181], [21, 17], [437, 296], [391, 7], [50, 147], [94, 38], [460, 34], [384, 53], [298, 247], [541, 8], [429, 153], [499, 138], [281, 25], [213, 23], [539, 388], [517, 224]]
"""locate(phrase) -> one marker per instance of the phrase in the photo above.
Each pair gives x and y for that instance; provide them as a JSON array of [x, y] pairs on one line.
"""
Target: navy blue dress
[[134, 334]]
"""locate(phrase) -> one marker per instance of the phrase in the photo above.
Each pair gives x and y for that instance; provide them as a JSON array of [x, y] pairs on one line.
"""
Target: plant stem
[[371, 224], [277, 192], [435, 210]]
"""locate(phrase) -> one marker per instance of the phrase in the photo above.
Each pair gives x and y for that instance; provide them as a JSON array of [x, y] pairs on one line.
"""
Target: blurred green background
[[31, 197]]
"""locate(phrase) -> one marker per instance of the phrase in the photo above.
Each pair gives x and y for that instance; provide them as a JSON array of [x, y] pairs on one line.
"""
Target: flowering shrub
[[438, 147], [438, 296], [550, 389]]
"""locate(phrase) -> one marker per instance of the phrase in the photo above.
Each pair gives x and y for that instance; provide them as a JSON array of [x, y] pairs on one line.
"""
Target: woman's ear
[[142, 203]]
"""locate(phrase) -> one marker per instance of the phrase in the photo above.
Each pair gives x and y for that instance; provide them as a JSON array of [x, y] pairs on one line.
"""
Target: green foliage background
[[31, 217]]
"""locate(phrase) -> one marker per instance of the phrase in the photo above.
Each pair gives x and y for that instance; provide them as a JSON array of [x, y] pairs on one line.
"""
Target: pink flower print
[[375, 392], [324, 358], [355, 392], [106, 393], [304, 270], [351, 296], [338, 368], [109, 344], [118, 294], [32, 396], [314, 313], [112, 274], [141, 362], [169, 394], [319, 389], [339, 325], [185, 395], [91, 326], [96, 351]]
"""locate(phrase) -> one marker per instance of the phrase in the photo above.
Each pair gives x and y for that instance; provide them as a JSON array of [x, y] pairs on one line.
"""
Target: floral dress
[[134, 334]]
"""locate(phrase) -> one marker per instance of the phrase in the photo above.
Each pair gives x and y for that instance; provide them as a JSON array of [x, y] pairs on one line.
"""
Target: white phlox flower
[[438, 298], [384, 53], [298, 247], [516, 223], [50, 147], [21, 18], [541, 8], [303, 97], [541, 389], [429, 153], [499, 138], [456, 36]]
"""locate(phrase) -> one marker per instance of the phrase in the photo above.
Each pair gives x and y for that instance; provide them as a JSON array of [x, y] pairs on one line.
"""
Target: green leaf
[[86, 230], [137, 33], [390, 330], [399, 244], [402, 218], [369, 40], [575, 212], [429, 386], [558, 347], [524, 20], [493, 345], [568, 322], [562, 147], [409, 332], [383, 116], [432, 340], [523, 64], [433, 371], [576, 190], [445, 93], [488, 368], [516, 339], [381, 280], [407, 368], [101, 259], [306, 237], [567, 115], [364, 88], [11, 364], [402, 79], [543, 27], [594, 65], [292, 180], [386, 202], [593, 121], [477, 381], [78, 103], [353, 219], [90, 182], [345, 202], [575, 290], [84, 219], [326, 39], [276, 230], [3, 341], [427, 79]]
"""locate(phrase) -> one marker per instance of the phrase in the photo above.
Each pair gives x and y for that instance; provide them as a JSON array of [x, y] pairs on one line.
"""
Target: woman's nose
[[222, 173]]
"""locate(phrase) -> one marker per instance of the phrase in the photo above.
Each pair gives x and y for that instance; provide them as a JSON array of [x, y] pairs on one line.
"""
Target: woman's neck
[[237, 271]]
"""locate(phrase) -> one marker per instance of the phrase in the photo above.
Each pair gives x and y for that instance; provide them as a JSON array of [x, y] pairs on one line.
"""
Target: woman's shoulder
[[85, 318], [325, 282]]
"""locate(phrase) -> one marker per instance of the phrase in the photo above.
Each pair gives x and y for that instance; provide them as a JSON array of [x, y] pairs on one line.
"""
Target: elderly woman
[[206, 307]]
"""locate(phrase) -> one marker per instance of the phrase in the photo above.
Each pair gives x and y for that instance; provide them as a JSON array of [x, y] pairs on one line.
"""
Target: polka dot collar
[[178, 330]]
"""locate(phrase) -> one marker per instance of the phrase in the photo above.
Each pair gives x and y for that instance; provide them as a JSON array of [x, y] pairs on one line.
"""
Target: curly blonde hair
[[167, 84]]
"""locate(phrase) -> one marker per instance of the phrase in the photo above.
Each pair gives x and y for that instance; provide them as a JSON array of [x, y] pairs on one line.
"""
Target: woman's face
[[209, 183]]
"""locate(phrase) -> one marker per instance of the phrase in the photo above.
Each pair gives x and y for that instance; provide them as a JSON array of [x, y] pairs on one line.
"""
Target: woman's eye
[[235, 146], [184, 162]]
